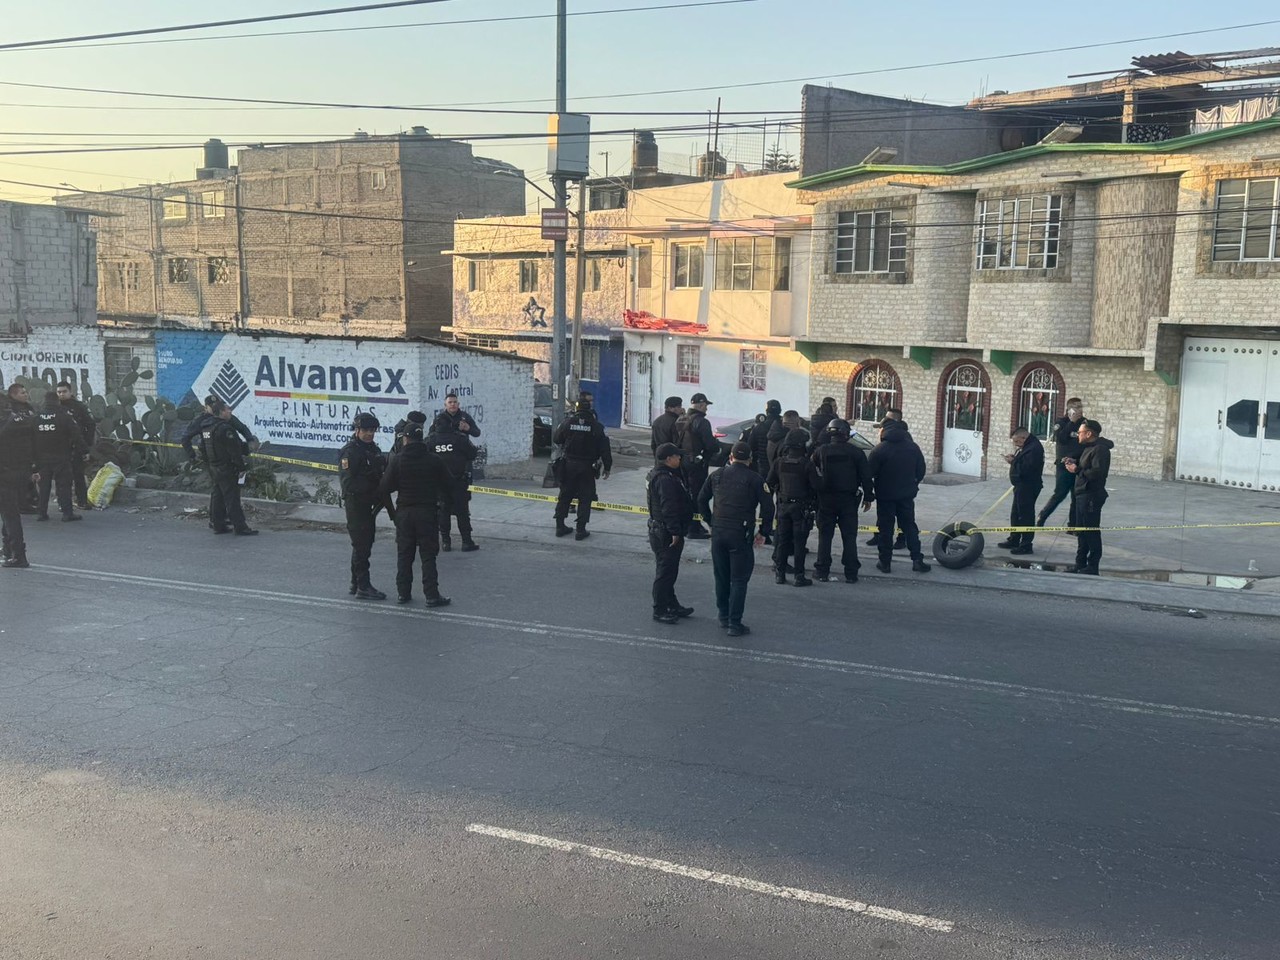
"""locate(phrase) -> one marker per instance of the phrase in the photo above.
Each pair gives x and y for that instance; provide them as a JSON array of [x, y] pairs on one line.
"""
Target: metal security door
[[1242, 415], [964, 421], [1204, 395], [1269, 467], [639, 388]]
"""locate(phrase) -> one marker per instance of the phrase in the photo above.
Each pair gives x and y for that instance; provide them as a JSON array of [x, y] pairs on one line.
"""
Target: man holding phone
[[1064, 434]]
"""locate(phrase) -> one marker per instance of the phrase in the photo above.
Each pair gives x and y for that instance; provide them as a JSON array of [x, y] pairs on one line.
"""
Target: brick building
[[48, 268], [333, 238], [979, 295]]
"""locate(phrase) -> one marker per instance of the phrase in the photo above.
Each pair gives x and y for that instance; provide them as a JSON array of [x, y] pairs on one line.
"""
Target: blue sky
[[464, 63]]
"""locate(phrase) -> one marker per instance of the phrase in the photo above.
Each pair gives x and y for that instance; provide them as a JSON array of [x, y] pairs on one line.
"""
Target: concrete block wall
[[929, 302], [498, 244], [1135, 407], [48, 267], [295, 392]]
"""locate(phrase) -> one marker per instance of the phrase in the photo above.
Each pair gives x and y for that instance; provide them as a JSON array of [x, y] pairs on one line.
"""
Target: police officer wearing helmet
[[422, 482], [795, 480], [845, 478], [585, 444], [414, 416], [457, 452], [736, 491], [670, 511], [227, 456], [360, 468]]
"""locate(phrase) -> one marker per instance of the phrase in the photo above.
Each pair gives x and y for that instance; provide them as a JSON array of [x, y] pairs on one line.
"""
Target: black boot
[[367, 591], [582, 533], [469, 545], [779, 576], [563, 529], [919, 566], [435, 600], [445, 543], [802, 580], [18, 561], [351, 590]]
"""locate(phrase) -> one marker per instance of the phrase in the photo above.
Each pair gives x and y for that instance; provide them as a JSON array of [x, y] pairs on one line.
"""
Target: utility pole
[[575, 352], [560, 186]]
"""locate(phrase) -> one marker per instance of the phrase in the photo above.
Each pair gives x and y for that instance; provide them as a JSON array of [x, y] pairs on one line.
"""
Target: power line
[[882, 70], [364, 8], [403, 26]]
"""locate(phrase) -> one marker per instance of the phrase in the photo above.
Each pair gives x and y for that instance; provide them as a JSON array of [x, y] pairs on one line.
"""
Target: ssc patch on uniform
[[345, 463]]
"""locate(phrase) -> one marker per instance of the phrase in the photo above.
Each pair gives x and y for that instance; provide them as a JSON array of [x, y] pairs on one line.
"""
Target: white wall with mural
[[53, 354]]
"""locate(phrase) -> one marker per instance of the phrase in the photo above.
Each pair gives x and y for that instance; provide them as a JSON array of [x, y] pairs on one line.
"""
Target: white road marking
[[848, 667], [723, 879]]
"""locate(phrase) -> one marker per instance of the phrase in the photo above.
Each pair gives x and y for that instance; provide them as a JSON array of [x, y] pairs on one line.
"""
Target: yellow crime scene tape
[[977, 527]]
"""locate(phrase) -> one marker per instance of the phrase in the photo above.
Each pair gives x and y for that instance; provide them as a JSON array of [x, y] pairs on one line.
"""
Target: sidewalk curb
[[1174, 597]]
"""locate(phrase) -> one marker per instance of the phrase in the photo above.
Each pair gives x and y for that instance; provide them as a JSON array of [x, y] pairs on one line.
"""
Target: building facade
[[335, 238], [48, 268], [694, 287], [978, 296]]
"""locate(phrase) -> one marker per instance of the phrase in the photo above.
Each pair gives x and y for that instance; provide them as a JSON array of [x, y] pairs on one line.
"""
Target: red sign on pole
[[555, 224]]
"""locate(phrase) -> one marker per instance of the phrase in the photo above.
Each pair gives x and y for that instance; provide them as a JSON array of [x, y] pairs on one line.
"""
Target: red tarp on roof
[[644, 320]]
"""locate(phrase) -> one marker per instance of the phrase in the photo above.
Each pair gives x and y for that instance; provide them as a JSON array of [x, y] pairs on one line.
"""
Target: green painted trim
[[807, 350], [1176, 145], [1170, 379], [1002, 360], [923, 356]]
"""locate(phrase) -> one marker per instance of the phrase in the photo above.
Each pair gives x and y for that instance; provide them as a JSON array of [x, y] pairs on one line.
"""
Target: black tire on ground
[[957, 545]]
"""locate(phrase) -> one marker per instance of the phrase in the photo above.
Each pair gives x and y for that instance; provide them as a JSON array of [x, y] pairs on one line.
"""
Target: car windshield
[[542, 394]]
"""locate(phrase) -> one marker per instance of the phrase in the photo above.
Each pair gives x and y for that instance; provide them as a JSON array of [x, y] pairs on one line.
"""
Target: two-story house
[[720, 286], [979, 295]]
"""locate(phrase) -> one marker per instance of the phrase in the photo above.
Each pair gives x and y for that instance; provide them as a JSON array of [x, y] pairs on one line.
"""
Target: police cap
[[367, 421], [668, 450], [742, 451], [413, 431], [416, 416]]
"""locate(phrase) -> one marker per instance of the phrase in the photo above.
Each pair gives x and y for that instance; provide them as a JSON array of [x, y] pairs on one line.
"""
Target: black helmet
[[839, 427], [796, 438], [366, 421]]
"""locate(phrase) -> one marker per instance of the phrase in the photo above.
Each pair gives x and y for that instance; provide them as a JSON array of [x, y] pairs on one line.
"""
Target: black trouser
[[224, 501], [460, 507], [695, 476], [417, 534], [791, 538], [11, 520], [733, 560], [1089, 542], [666, 568], [1064, 485], [577, 481], [78, 481], [902, 513], [52, 474], [361, 528], [1023, 511], [838, 509]]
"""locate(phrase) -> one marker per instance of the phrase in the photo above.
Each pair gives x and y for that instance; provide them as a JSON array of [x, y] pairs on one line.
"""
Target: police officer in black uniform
[[795, 479], [670, 510], [413, 416], [58, 446], [457, 452], [360, 468], [699, 443], [88, 428], [663, 428], [422, 482], [461, 420], [207, 418], [845, 478], [736, 492], [585, 444], [227, 456], [17, 473]]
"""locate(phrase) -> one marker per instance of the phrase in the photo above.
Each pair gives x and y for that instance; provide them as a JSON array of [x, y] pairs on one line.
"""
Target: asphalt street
[[208, 750]]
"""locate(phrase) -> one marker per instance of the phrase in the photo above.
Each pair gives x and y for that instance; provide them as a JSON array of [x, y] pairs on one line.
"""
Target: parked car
[[729, 435], [542, 425]]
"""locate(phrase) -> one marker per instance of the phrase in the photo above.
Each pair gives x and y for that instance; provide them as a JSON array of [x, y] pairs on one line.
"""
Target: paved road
[[207, 750]]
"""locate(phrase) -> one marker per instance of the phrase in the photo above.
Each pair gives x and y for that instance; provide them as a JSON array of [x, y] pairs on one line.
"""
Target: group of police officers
[[429, 473], [814, 475], [42, 454]]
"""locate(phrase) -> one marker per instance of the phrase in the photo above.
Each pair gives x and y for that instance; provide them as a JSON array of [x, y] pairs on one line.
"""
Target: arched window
[[873, 389], [1038, 397]]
